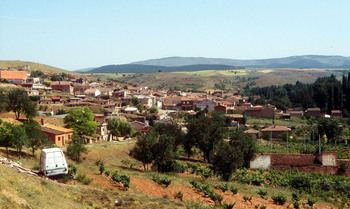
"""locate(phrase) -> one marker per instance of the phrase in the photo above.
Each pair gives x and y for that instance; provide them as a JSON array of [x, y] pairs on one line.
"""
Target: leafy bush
[[279, 199], [178, 195], [82, 179], [101, 168], [263, 206], [246, 198], [311, 201], [224, 187], [228, 206], [217, 198], [72, 169], [234, 190], [107, 172], [163, 181], [123, 178], [262, 193]]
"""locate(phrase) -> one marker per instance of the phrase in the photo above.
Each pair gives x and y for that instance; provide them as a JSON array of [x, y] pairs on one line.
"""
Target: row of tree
[[327, 93], [28, 134], [226, 150]]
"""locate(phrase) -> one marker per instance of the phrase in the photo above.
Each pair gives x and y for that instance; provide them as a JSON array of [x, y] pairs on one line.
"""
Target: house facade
[[58, 135], [63, 86], [206, 103], [276, 131]]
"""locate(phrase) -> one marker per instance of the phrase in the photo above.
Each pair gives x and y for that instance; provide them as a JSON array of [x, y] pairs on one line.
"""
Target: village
[[148, 111], [116, 101]]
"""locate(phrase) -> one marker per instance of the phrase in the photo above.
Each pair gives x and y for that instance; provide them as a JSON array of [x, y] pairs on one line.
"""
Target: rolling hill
[[306, 61], [133, 68], [33, 66], [187, 64]]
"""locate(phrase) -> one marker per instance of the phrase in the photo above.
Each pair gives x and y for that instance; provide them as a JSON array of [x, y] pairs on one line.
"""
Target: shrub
[[102, 168], [262, 193], [246, 198], [123, 178], [72, 169], [163, 181], [107, 172], [311, 201], [234, 190], [263, 206], [279, 199], [224, 187], [82, 179], [228, 206], [178, 195]]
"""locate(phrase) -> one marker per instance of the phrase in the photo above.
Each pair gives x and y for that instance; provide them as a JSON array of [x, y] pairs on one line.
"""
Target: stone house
[[206, 103], [276, 131], [313, 112]]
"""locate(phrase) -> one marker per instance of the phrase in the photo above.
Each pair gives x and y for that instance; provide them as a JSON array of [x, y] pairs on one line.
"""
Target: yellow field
[[216, 72]]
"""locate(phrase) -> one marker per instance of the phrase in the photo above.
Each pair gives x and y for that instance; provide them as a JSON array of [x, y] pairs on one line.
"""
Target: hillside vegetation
[[33, 66]]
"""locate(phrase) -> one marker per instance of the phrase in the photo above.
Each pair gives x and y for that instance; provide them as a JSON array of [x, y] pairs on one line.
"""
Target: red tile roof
[[13, 75], [276, 128]]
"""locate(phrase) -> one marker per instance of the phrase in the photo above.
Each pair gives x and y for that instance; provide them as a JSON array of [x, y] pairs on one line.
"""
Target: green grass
[[294, 121]]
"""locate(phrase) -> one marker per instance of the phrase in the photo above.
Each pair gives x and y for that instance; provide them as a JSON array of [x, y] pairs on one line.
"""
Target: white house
[[92, 92]]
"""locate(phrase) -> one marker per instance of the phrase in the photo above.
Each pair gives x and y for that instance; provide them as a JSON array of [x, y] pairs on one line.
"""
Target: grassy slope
[[34, 66], [102, 192], [201, 80]]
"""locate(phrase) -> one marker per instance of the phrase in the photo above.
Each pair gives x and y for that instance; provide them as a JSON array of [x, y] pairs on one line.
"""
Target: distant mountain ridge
[[304, 61], [175, 64], [134, 68]]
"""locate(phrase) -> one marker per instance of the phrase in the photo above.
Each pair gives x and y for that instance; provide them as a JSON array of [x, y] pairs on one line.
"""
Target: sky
[[77, 34]]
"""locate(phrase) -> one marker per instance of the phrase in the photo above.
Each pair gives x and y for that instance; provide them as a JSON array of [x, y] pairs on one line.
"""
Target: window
[[59, 138]]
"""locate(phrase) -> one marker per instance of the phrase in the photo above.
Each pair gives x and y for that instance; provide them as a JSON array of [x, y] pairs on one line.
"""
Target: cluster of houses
[[115, 99]]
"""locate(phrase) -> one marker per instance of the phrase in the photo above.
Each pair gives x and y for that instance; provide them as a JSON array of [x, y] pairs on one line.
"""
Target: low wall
[[291, 159], [308, 168]]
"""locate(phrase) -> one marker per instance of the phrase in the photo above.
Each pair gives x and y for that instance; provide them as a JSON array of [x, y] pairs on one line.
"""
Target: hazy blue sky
[[79, 34]]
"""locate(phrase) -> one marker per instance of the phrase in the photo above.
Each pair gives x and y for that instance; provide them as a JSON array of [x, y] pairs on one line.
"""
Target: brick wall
[[291, 159], [308, 168]]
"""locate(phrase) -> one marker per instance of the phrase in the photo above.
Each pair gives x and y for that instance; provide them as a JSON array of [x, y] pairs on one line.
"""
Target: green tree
[[143, 150], [329, 127], [164, 153], [207, 131], [226, 160], [4, 101], [171, 128], [246, 144], [19, 137], [36, 138], [154, 109], [135, 101], [6, 136], [76, 148], [21, 103], [119, 127], [140, 107], [81, 121]]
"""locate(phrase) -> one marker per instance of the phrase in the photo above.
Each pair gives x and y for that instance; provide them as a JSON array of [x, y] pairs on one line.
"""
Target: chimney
[[42, 121]]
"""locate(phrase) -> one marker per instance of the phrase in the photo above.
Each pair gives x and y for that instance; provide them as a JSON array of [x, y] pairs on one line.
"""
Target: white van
[[53, 162]]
